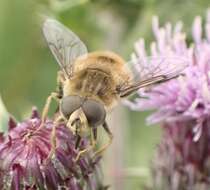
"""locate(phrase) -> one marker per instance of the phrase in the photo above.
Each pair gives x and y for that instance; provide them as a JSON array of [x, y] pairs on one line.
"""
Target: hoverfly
[[91, 84]]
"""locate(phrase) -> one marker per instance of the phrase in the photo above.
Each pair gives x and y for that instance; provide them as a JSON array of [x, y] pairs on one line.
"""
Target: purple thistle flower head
[[181, 163], [185, 98], [182, 160], [23, 158]]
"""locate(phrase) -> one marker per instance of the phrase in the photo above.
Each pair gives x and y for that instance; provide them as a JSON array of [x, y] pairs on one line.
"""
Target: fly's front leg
[[91, 146], [110, 135], [53, 137], [53, 95], [78, 140]]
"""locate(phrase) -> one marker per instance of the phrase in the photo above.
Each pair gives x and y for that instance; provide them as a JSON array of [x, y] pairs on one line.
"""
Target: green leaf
[[4, 117]]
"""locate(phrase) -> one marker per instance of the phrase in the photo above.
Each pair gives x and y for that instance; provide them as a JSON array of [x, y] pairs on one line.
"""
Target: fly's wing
[[152, 70], [64, 45]]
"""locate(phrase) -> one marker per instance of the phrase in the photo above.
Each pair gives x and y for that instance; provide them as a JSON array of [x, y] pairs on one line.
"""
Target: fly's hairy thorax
[[97, 75], [93, 83]]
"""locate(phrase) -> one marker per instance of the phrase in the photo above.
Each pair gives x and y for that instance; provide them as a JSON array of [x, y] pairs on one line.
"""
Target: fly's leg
[[110, 135], [95, 133], [78, 140], [53, 137], [91, 146], [53, 95], [78, 124]]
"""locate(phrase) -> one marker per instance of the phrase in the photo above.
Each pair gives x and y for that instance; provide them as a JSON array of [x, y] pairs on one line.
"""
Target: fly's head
[[82, 114]]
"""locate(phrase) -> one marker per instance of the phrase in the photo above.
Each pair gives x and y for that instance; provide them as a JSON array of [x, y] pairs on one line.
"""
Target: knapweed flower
[[183, 106], [25, 165]]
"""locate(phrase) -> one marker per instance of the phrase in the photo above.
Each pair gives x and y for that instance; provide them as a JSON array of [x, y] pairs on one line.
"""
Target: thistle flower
[[183, 106], [23, 159], [188, 97], [181, 163]]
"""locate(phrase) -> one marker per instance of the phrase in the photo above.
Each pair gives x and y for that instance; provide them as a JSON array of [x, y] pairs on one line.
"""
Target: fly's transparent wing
[[149, 67], [64, 44], [153, 70]]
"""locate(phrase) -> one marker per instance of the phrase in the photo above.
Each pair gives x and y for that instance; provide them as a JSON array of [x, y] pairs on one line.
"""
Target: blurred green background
[[28, 70]]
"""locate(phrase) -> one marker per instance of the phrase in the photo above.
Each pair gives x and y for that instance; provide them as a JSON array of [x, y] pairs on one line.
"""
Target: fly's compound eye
[[70, 104], [94, 112]]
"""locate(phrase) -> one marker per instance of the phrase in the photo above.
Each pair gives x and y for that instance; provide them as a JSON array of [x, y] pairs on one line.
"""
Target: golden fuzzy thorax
[[97, 76]]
